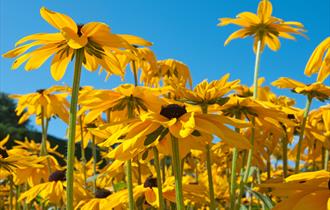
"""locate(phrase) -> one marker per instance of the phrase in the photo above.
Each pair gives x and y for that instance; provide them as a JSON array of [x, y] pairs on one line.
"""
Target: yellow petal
[[58, 20], [265, 9], [237, 34], [135, 40], [59, 64], [72, 38]]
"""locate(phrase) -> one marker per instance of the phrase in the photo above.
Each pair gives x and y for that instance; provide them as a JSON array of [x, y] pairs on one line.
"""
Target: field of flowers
[[160, 143]]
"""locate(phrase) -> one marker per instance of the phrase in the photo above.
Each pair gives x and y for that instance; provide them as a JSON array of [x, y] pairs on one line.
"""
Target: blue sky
[[183, 30]]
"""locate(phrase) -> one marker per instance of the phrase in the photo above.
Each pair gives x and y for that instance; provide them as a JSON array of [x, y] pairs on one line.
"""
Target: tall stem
[[72, 127], [82, 150], [94, 162], [159, 179], [130, 112], [44, 128], [302, 130], [129, 184], [134, 73], [285, 154], [177, 173], [255, 96], [233, 178], [209, 167], [209, 176], [326, 158]]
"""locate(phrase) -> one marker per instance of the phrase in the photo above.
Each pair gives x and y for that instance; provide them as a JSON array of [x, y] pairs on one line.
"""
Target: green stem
[[130, 184], [209, 167], [134, 73], [177, 173], [255, 96], [268, 165], [44, 128], [285, 155], [209, 176], [159, 179], [94, 162], [72, 127], [43, 150], [11, 193], [233, 178], [302, 129], [326, 158], [18, 191], [82, 149]]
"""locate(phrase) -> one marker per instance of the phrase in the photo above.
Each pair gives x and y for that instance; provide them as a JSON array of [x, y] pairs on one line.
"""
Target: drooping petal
[[58, 20], [237, 34], [73, 39], [60, 63], [135, 40]]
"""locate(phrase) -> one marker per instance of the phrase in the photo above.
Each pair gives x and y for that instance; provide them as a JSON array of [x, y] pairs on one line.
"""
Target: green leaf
[[119, 186], [151, 137], [145, 155], [265, 199]]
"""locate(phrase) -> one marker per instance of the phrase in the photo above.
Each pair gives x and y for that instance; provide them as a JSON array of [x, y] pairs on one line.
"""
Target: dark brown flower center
[[40, 91], [329, 184], [173, 111], [150, 182], [102, 193], [3, 153], [291, 116], [57, 176], [79, 29]]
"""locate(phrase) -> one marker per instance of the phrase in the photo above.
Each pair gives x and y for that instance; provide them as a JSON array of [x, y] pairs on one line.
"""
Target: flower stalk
[[255, 96], [79, 53], [94, 163], [159, 180], [177, 173], [209, 167], [302, 130]]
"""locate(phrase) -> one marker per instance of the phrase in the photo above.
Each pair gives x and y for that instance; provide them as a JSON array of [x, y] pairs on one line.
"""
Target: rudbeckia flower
[[315, 90], [319, 62], [262, 26], [117, 102], [34, 148], [309, 190], [171, 68], [97, 40], [53, 191], [207, 93], [191, 128], [44, 103]]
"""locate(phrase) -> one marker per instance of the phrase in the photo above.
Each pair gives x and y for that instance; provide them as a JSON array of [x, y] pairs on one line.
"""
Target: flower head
[[96, 39], [262, 26]]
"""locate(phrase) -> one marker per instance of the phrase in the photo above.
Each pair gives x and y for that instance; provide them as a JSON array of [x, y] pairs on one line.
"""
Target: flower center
[[57, 176], [40, 91], [329, 184], [150, 182], [79, 29], [3, 153], [102, 193], [173, 111]]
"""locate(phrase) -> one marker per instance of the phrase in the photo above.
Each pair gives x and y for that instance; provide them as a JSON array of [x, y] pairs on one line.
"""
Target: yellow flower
[[53, 191], [315, 90], [99, 44], [193, 130], [262, 26], [320, 61], [34, 148], [117, 102], [44, 103], [207, 93], [304, 191], [170, 68]]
